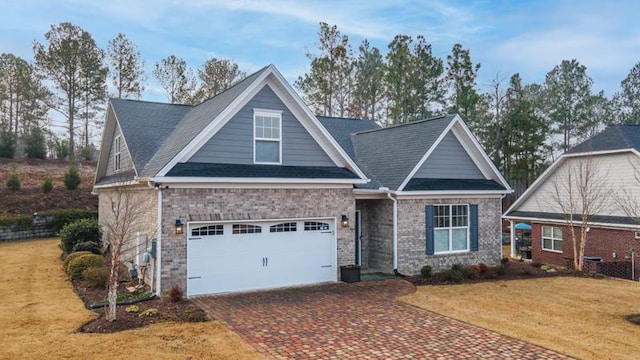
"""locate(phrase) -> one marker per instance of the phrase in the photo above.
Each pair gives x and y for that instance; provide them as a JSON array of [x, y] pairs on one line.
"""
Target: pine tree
[[127, 67]]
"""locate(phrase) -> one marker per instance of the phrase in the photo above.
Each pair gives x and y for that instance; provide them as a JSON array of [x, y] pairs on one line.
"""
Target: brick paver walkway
[[358, 321]]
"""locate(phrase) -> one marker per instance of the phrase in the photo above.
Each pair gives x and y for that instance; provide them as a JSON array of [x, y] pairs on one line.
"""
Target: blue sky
[[529, 37]]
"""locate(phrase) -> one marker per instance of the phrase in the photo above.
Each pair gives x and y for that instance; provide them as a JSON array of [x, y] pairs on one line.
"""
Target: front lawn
[[580, 317], [40, 314]]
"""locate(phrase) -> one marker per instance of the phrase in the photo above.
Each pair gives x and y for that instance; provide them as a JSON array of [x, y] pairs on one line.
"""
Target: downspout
[[158, 258], [395, 230]]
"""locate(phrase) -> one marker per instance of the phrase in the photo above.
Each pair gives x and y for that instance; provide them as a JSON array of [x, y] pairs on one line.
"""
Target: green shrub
[[60, 218], [13, 181], [426, 271], [7, 144], [21, 222], [84, 230], [47, 186], [96, 277], [77, 266], [72, 256], [457, 274], [72, 178], [90, 246], [61, 148], [35, 144]]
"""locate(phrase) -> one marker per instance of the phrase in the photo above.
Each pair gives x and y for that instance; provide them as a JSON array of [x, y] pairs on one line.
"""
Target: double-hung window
[[267, 137], [451, 228], [552, 238], [117, 151]]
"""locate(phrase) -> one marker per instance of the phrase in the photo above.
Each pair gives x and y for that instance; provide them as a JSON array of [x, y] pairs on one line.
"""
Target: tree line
[[521, 126], [69, 75]]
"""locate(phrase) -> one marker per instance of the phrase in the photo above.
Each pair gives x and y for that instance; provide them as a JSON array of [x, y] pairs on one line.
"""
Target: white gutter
[[395, 227]]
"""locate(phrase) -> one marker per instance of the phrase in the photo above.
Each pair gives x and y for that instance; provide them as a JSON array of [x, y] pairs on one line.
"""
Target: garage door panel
[[258, 255]]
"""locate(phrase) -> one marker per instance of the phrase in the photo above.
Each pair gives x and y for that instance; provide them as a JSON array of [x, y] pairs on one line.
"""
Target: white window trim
[[542, 237], [450, 228], [117, 153], [271, 113]]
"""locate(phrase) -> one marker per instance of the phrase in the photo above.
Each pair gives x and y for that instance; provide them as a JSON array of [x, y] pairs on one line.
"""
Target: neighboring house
[[267, 194], [614, 158]]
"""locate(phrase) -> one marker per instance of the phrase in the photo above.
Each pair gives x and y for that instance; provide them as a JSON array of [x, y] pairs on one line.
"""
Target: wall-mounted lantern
[[344, 220], [179, 227]]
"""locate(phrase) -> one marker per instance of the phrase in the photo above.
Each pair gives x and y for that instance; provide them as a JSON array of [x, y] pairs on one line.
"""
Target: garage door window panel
[[210, 230], [315, 226], [246, 229], [283, 227]]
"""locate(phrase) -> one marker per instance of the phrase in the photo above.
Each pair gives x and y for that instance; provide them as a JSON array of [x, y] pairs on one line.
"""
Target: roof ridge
[[234, 85], [408, 123], [149, 102], [624, 136]]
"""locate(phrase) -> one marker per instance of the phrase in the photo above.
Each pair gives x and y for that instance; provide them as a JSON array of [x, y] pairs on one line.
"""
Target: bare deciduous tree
[[127, 216], [580, 191]]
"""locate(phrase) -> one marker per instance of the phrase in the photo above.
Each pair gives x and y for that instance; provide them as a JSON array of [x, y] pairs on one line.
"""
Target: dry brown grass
[[40, 313], [579, 317]]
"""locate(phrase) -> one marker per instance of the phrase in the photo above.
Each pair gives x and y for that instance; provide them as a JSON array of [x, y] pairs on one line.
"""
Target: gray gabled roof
[[149, 123], [616, 137], [342, 128], [194, 122], [388, 155]]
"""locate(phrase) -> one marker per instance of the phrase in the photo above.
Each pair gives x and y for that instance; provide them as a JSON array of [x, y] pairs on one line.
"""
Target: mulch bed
[[167, 310], [512, 270]]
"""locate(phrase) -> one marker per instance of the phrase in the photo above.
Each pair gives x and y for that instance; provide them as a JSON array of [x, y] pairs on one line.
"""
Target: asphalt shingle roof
[[388, 155], [616, 137], [452, 184], [267, 171], [342, 128], [149, 123]]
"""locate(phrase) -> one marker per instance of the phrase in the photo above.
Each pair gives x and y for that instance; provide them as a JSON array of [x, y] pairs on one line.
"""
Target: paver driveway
[[358, 321]]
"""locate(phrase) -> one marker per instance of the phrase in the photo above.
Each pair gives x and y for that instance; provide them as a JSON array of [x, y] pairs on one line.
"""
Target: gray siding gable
[[449, 160], [233, 143]]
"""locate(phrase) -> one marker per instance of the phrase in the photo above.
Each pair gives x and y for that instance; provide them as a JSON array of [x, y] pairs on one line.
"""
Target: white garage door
[[240, 256]]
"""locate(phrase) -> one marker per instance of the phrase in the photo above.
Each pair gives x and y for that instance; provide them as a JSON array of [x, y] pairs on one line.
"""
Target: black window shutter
[[473, 230], [429, 225]]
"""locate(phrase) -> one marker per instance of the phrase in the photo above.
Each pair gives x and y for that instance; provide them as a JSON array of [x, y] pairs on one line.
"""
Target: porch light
[[344, 220], [179, 228]]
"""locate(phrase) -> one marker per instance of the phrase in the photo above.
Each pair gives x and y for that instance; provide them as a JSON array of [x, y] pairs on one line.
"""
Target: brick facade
[[144, 221], [378, 234], [247, 204], [601, 242]]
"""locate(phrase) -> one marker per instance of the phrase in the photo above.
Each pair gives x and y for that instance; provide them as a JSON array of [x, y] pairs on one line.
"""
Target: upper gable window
[[267, 137], [117, 150]]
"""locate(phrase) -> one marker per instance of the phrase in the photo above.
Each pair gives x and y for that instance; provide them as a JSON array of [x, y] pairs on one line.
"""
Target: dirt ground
[[30, 198], [40, 315], [580, 317]]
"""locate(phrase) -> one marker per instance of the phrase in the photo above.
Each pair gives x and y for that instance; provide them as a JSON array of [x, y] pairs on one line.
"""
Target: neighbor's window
[[451, 228], [552, 238], [267, 136], [117, 149]]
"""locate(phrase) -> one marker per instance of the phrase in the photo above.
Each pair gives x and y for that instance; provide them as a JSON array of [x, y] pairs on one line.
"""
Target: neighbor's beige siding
[[616, 170]]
